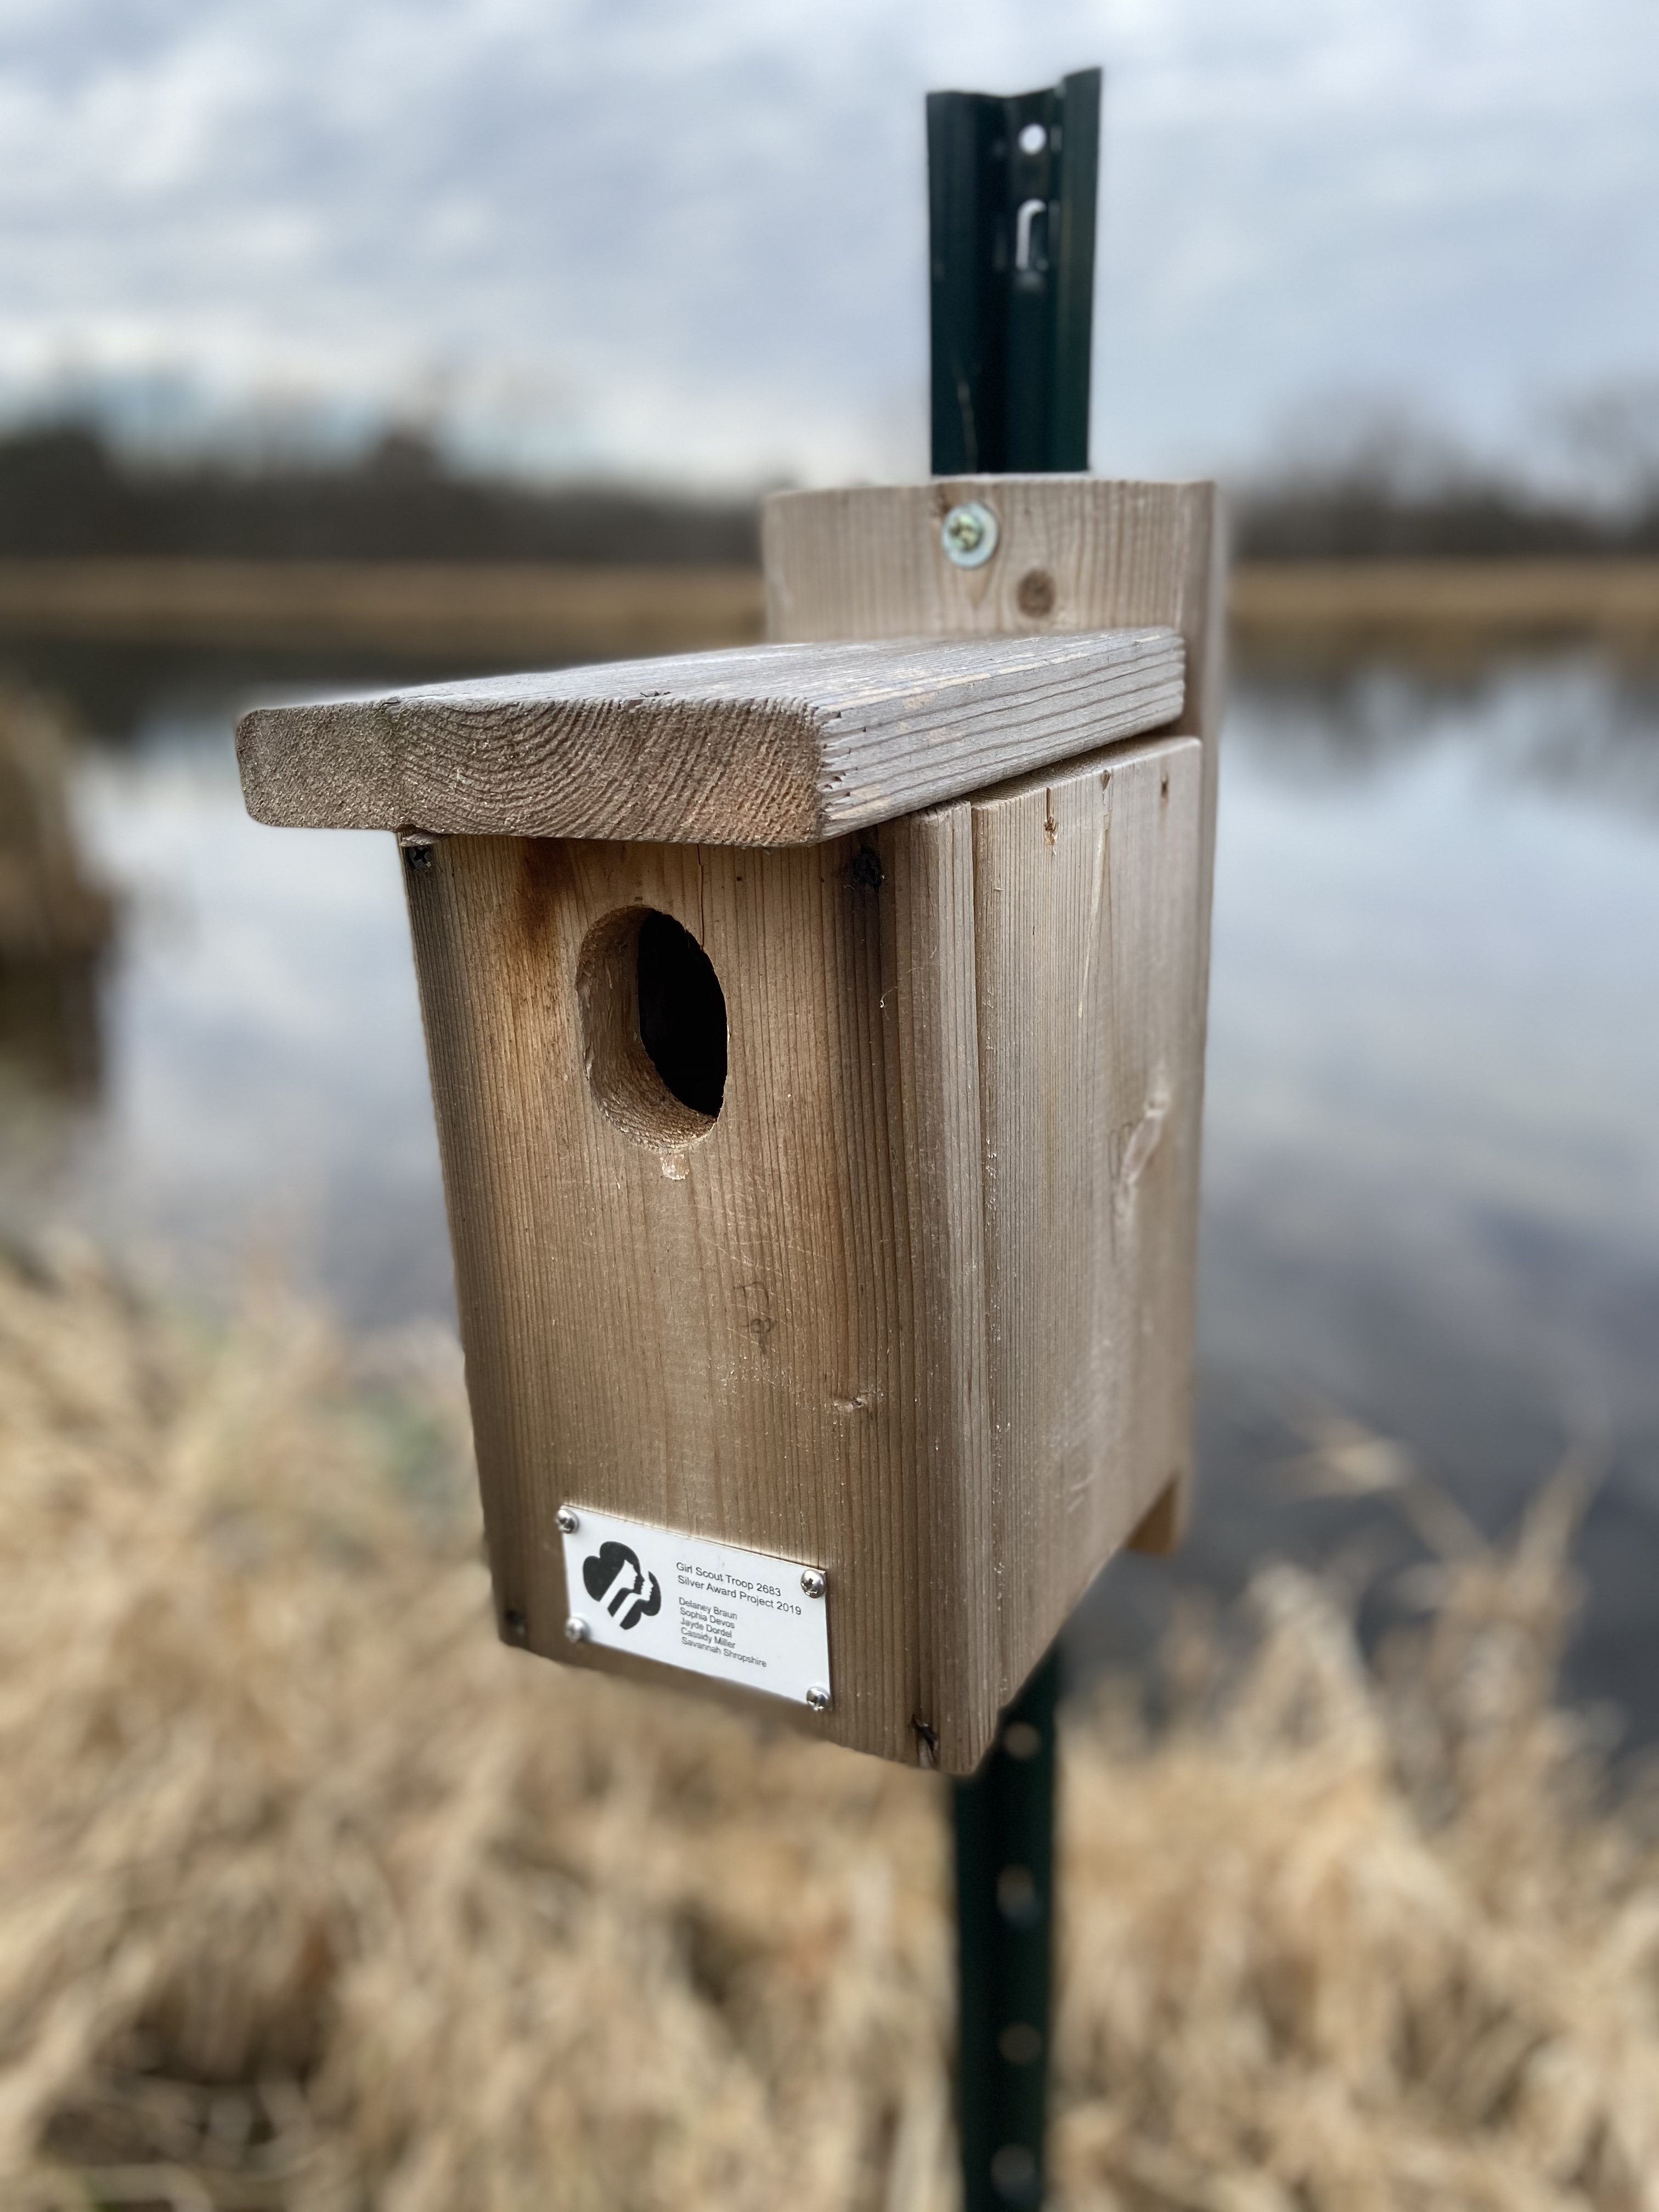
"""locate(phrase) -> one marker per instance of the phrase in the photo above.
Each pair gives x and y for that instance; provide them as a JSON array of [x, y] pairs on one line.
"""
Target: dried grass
[[312, 1896], [48, 909]]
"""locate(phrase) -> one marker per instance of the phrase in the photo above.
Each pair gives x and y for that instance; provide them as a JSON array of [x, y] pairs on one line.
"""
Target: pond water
[[1431, 1169]]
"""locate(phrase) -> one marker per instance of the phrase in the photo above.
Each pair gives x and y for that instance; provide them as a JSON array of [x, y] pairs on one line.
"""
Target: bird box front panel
[[829, 1311]]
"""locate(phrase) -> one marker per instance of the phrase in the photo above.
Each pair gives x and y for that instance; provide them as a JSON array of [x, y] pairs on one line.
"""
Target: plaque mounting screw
[[575, 1630], [818, 1698], [568, 1521], [968, 534], [812, 1582]]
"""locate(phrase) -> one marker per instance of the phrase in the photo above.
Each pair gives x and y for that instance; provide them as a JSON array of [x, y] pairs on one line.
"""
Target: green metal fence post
[[1011, 187], [1012, 191], [1005, 1837]]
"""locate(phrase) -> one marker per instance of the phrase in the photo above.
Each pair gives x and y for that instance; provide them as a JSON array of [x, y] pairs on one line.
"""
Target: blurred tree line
[[66, 492], [1379, 489], [1372, 480]]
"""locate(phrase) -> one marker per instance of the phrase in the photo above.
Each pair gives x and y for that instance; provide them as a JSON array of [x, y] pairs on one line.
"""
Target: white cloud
[[642, 236]]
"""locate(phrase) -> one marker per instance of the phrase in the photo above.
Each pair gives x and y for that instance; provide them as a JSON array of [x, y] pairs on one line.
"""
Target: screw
[[968, 535], [568, 1521], [818, 1698], [418, 857], [516, 1626], [575, 1630], [811, 1581]]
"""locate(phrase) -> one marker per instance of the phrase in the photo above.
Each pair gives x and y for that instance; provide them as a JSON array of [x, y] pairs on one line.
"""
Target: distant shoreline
[[1291, 611], [1341, 611], [591, 610]]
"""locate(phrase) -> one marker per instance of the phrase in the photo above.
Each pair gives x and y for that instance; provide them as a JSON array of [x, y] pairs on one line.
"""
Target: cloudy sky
[[687, 237]]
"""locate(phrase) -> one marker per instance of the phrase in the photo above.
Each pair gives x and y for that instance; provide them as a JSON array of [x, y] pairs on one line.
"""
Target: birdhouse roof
[[772, 744]]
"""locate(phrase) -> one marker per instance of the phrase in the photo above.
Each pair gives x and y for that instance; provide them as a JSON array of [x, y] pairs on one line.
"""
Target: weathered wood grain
[[1090, 1052], [769, 1334], [1075, 553], [916, 1303], [770, 746], [822, 1323]]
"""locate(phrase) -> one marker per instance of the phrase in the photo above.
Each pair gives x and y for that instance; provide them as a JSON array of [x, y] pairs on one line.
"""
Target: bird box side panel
[[754, 1329], [1091, 1037], [1075, 553]]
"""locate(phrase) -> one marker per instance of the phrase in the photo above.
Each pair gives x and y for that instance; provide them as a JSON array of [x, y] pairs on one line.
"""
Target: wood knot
[[1036, 593]]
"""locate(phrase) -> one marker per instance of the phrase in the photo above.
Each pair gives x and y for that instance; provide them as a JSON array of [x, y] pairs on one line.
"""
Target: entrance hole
[[682, 1013], [653, 1027]]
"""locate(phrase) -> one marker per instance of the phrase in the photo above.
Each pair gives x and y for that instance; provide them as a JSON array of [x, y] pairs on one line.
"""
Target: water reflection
[[1431, 1200], [1571, 723], [1431, 1167]]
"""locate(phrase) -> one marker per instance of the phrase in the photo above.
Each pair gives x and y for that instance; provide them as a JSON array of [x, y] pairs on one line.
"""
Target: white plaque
[[710, 1608]]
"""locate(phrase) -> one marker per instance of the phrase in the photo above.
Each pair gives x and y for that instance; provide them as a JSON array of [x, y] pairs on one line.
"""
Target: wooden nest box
[[816, 1043]]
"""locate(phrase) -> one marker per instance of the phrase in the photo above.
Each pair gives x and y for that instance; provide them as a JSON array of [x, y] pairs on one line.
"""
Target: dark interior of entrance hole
[[682, 1013]]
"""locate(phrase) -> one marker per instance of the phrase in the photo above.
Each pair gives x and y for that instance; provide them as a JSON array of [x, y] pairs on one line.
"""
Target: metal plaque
[[708, 1608]]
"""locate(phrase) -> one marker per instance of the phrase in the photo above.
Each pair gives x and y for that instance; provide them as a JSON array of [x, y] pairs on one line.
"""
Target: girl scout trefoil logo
[[630, 1603]]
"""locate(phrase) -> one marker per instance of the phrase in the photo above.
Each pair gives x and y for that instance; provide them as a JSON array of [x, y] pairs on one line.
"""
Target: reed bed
[[313, 1896], [48, 909], [1294, 614], [56, 923]]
